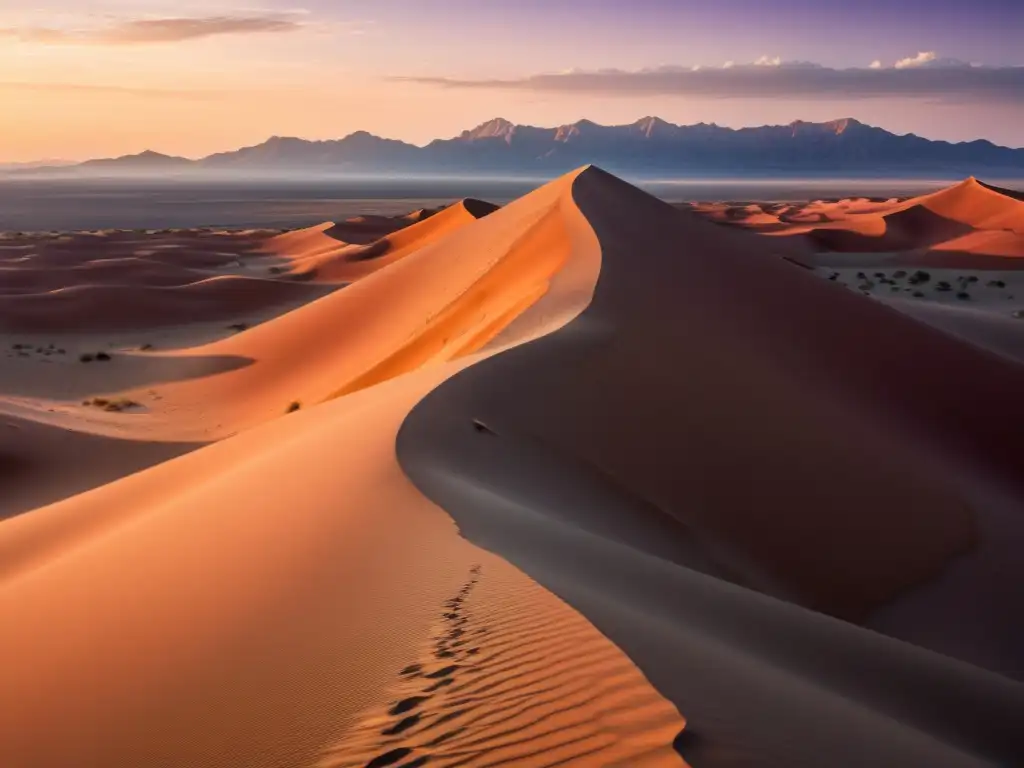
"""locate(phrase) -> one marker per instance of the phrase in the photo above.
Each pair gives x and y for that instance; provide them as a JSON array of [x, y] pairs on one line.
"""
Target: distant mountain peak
[[146, 158], [837, 127], [496, 128], [651, 125]]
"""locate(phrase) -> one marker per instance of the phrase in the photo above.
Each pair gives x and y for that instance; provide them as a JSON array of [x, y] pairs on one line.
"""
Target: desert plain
[[585, 479]]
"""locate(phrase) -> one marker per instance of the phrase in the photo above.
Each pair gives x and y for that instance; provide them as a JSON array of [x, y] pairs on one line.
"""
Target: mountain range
[[649, 147]]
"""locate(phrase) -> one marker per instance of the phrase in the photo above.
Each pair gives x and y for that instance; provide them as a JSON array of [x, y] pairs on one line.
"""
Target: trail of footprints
[[513, 676], [454, 654]]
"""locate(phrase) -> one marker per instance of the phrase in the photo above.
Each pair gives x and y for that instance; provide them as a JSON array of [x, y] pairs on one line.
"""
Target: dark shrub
[[103, 357], [85, 357], [963, 296], [942, 285], [919, 277], [293, 406]]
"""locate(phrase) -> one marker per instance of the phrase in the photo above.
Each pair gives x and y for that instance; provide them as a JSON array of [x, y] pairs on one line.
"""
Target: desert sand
[[584, 480]]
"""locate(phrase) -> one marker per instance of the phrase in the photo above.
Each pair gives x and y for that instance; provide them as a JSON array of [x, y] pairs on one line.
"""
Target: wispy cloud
[[89, 88], [924, 76], [151, 31]]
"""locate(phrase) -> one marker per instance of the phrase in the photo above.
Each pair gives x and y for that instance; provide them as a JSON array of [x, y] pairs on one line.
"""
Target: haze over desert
[[549, 442]]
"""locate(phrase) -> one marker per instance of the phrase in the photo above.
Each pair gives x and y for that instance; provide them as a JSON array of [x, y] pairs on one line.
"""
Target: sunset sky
[[94, 78]]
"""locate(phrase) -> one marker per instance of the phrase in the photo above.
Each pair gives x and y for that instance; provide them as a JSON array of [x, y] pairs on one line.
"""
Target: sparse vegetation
[[113, 406], [899, 274], [1019, 314], [86, 357], [293, 406], [918, 295], [103, 357], [238, 327], [943, 286], [145, 347], [963, 296], [996, 284]]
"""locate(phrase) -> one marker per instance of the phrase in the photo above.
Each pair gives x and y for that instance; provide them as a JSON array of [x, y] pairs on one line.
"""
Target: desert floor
[[586, 479]]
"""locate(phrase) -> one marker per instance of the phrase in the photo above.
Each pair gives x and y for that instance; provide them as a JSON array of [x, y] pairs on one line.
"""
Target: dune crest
[[235, 565]]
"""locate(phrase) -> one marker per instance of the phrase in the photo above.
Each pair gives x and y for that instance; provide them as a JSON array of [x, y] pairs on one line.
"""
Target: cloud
[[88, 88], [876, 64], [931, 78], [149, 31], [922, 59]]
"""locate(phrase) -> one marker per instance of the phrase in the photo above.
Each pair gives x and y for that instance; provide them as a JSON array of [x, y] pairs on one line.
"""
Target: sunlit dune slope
[[442, 300]]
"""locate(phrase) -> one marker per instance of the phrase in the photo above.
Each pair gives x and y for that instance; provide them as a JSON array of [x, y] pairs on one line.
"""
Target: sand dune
[[585, 480], [269, 628], [328, 252], [653, 388]]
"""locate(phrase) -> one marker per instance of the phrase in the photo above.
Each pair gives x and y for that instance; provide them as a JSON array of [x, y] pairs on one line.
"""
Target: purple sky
[[87, 77]]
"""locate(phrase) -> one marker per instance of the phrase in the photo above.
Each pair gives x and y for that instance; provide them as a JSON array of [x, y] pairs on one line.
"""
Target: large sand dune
[[582, 481]]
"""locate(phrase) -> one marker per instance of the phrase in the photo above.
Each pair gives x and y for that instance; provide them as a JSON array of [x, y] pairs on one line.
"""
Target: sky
[[98, 78]]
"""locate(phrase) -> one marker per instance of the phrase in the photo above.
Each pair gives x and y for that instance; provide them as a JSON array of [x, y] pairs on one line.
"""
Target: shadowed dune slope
[[716, 410]]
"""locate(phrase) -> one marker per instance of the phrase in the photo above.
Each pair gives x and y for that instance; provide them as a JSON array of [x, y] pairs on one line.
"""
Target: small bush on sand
[[942, 285], [996, 284], [102, 357], [920, 277], [293, 406], [899, 274], [963, 296], [85, 357], [238, 327], [120, 404], [918, 295]]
